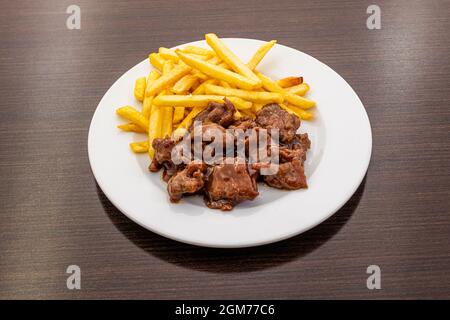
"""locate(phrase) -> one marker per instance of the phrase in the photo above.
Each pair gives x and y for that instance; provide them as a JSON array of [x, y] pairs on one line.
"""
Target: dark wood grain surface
[[54, 215]]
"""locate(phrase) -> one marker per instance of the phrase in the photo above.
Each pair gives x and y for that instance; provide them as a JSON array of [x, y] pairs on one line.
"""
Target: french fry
[[199, 75], [134, 116], [269, 84], [178, 114], [201, 88], [299, 101], [218, 72], [167, 120], [290, 81], [215, 60], [154, 130], [147, 103], [202, 76], [254, 96], [198, 50], [178, 133], [237, 115], [259, 54], [168, 54], [186, 100], [257, 106], [131, 127], [139, 88], [302, 114], [225, 84], [186, 123], [167, 79], [156, 60], [198, 56], [167, 67], [294, 99], [184, 84], [139, 147], [300, 89], [240, 104], [230, 58]]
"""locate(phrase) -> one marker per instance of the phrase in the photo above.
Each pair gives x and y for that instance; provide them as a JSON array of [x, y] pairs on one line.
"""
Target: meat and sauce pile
[[230, 182]]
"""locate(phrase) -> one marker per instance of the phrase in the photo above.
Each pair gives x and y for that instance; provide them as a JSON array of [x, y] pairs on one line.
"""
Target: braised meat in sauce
[[233, 179], [272, 116], [228, 184]]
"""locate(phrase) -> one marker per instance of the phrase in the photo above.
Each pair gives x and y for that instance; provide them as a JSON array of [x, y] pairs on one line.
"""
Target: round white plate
[[337, 162]]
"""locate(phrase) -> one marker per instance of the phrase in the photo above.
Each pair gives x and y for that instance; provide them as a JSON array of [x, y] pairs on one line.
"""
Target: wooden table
[[54, 215]]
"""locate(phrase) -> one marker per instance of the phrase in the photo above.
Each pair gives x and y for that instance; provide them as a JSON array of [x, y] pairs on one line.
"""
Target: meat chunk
[[187, 181], [163, 153], [290, 176], [301, 141], [244, 123], [271, 116], [220, 113], [229, 184], [291, 173]]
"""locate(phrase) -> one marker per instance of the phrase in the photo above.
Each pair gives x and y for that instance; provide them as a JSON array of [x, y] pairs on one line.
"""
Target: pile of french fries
[[186, 80]]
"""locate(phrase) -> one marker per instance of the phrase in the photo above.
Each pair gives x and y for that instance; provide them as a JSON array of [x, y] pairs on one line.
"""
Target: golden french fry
[[217, 72], [199, 75], [237, 115], [186, 100], [184, 84], [294, 99], [239, 103], [139, 88], [167, 79], [147, 103], [198, 50], [257, 106], [225, 84], [131, 114], [156, 60], [201, 88], [167, 120], [299, 101], [259, 54], [198, 56], [167, 67], [178, 133], [215, 60], [139, 147], [302, 114], [269, 84], [152, 76], [154, 130], [168, 54], [131, 127], [300, 89], [178, 114], [230, 58], [290, 81], [186, 123], [254, 96]]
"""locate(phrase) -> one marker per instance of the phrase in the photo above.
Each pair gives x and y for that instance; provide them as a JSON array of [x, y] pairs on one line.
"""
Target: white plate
[[337, 162]]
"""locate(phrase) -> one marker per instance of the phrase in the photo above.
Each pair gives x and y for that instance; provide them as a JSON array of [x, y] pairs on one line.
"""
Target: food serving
[[195, 93]]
